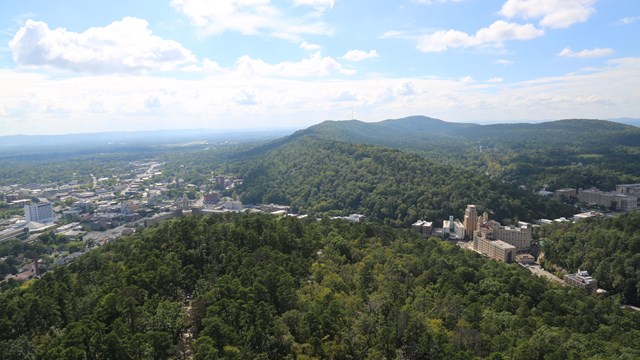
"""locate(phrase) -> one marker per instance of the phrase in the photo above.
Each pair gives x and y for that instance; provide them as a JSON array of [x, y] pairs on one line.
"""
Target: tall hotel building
[[470, 221]]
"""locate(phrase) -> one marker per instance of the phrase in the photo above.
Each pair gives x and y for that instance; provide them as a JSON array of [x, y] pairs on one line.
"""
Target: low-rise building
[[17, 233], [211, 198], [567, 193], [422, 227], [610, 200], [233, 205], [454, 229], [495, 249], [525, 259], [582, 280]]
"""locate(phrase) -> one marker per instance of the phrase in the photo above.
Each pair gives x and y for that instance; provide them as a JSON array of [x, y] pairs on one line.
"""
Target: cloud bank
[[125, 46]]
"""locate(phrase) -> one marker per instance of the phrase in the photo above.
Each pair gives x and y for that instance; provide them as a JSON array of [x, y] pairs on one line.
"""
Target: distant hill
[[573, 131], [155, 137], [417, 132], [421, 132], [566, 153], [320, 176]]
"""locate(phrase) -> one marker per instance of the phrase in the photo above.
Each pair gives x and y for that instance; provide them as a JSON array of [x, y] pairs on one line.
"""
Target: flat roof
[[503, 245]]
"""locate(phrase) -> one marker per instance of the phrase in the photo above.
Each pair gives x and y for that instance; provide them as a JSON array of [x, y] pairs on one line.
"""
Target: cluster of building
[[489, 237], [626, 197], [498, 242], [504, 243]]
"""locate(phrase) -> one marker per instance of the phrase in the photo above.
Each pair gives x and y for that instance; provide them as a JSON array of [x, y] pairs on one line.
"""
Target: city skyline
[[240, 64]]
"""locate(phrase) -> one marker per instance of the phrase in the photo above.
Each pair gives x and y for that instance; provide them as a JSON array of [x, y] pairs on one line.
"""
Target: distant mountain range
[[424, 132], [156, 137]]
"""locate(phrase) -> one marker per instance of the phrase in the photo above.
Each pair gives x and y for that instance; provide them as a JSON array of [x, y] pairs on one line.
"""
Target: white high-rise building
[[40, 212]]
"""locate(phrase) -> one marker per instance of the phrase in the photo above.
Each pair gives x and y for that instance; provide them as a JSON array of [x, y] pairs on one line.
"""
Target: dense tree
[[608, 248], [251, 286], [320, 177]]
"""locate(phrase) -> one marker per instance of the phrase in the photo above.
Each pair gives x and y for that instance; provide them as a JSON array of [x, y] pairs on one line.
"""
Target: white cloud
[[552, 13], [467, 79], [324, 4], [495, 80], [359, 55], [254, 17], [597, 52], [205, 66], [494, 35], [313, 66], [395, 34], [227, 99], [504, 62], [125, 46], [432, 1], [627, 20], [309, 47]]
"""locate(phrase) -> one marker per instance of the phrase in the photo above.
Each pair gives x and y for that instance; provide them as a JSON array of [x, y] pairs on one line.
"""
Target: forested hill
[[556, 154], [421, 132], [319, 176], [414, 131], [262, 287], [574, 131], [608, 248]]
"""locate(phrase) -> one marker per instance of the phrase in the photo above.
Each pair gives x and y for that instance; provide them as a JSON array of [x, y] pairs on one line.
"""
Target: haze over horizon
[[241, 64]]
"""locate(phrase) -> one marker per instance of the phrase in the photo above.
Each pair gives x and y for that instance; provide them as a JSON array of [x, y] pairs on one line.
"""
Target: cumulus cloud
[[552, 13], [125, 46], [313, 66], [494, 35], [359, 55], [495, 80], [205, 66], [597, 52], [44, 104], [256, 17]]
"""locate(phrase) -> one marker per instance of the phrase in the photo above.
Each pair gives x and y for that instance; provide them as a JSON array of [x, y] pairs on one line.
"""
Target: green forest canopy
[[319, 176], [263, 287], [608, 248]]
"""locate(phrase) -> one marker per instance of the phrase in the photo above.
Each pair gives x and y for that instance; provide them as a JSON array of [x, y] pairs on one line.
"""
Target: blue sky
[[76, 66]]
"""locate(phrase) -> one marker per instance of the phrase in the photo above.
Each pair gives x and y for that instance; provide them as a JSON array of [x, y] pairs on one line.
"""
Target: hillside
[[565, 153], [261, 287], [608, 248], [419, 131], [414, 131], [319, 176]]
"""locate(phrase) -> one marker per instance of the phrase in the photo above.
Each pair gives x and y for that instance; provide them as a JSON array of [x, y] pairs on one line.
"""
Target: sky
[[72, 66]]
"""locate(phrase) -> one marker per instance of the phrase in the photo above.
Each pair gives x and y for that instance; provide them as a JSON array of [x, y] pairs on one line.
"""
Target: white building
[[40, 212], [454, 228]]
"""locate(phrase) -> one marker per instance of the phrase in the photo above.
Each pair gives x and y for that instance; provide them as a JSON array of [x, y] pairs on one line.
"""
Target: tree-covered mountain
[[564, 153], [421, 130], [261, 287], [320, 176], [414, 131], [608, 248]]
